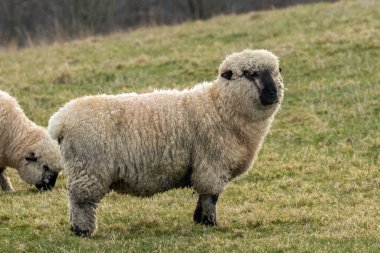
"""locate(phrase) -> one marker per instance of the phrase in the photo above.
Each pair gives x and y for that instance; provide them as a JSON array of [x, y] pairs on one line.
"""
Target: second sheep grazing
[[26, 147], [144, 144]]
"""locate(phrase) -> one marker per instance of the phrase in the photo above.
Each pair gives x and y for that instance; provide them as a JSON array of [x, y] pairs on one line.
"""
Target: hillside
[[316, 184]]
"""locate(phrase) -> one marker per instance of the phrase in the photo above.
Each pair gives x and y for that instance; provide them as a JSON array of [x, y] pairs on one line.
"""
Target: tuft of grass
[[316, 184]]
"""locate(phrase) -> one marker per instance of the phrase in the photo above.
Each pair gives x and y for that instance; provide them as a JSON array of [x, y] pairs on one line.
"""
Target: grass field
[[316, 184]]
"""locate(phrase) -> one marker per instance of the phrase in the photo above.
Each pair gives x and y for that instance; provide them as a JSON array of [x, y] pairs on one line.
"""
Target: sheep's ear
[[227, 74], [31, 157]]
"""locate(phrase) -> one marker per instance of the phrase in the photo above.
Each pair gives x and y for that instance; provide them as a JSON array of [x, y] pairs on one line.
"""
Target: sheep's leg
[[209, 182], [82, 217], [197, 217], [5, 183], [84, 195], [205, 212]]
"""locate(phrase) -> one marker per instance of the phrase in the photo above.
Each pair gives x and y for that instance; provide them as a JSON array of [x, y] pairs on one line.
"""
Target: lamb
[[149, 143], [26, 147]]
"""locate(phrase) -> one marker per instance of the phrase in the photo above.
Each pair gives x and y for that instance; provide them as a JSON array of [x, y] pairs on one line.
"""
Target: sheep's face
[[253, 80], [41, 164]]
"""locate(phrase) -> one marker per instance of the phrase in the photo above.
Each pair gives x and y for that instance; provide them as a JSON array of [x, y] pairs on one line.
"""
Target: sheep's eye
[[250, 75], [279, 69], [31, 157]]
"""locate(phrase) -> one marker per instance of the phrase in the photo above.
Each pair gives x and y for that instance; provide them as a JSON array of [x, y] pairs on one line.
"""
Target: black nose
[[44, 186], [268, 98], [268, 95], [48, 180]]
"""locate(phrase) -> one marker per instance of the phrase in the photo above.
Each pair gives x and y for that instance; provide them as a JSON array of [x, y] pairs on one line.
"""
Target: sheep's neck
[[250, 133], [21, 137]]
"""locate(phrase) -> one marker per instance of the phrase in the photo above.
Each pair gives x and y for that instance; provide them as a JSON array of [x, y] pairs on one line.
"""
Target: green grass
[[316, 184]]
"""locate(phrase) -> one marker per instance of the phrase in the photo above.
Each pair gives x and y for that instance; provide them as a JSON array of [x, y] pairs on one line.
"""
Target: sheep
[[26, 147], [149, 143]]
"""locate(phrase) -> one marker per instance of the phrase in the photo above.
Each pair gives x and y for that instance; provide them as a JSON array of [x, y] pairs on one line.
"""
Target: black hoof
[[80, 232], [205, 212], [208, 221]]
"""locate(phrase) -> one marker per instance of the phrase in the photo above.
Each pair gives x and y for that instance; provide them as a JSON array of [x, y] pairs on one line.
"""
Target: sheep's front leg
[[82, 217], [84, 195], [205, 212], [5, 183]]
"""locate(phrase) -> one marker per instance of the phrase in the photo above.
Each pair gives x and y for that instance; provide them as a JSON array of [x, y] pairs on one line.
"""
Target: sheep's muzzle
[[268, 94], [48, 179]]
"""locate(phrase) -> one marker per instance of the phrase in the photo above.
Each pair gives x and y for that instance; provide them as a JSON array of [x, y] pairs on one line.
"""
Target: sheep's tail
[[56, 124]]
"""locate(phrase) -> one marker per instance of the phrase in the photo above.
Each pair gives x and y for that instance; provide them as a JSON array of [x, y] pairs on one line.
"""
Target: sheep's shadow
[[141, 229], [25, 192]]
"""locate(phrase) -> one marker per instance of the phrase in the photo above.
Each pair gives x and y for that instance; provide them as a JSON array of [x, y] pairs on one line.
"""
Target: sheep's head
[[253, 79], [41, 163]]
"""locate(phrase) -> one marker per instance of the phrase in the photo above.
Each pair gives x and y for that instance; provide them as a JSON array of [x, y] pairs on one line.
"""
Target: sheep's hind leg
[[5, 183], [205, 212]]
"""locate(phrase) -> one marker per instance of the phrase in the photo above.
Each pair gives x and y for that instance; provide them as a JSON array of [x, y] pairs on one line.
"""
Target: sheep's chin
[[271, 107]]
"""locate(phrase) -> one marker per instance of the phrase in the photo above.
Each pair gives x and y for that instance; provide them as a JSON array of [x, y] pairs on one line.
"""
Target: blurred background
[[30, 22]]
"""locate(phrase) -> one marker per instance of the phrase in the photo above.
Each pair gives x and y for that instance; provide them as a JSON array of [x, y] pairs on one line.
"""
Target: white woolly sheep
[[149, 143], [26, 147]]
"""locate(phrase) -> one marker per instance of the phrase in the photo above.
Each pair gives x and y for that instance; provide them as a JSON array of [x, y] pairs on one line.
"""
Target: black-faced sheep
[[26, 147], [149, 143]]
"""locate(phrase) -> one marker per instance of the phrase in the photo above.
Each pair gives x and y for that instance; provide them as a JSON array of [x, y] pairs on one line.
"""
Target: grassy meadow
[[316, 184]]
